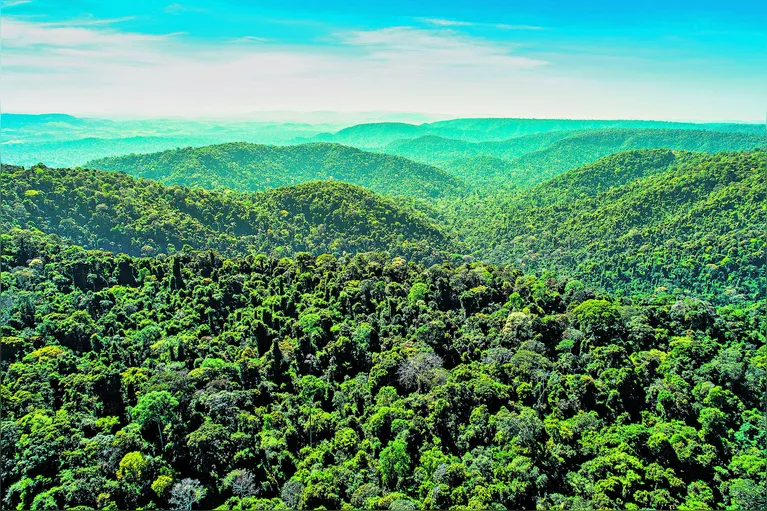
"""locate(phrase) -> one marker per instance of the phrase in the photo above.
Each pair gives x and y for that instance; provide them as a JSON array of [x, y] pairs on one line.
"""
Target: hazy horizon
[[353, 117], [676, 61]]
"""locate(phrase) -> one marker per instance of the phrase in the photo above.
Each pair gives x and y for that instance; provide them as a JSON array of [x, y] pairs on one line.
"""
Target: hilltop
[[255, 167], [116, 212]]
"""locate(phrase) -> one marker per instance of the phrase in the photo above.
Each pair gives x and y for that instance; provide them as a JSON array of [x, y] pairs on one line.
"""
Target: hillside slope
[[582, 148], [483, 173], [634, 222], [254, 167], [530, 159], [113, 211], [432, 149]]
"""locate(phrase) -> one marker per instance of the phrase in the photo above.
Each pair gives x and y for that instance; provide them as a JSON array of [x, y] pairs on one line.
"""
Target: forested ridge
[[255, 167], [196, 380], [377, 135], [537, 314], [586, 147], [113, 211], [434, 150], [425, 167], [637, 221]]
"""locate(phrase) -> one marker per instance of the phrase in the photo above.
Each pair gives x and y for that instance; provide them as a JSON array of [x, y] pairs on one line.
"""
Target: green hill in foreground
[[637, 221], [254, 167], [113, 211]]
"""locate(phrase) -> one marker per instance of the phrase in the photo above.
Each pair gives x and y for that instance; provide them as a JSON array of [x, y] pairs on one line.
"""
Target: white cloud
[[443, 48], [504, 26], [455, 23], [181, 8], [446, 23], [97, 70], [250, 39], [13, 3], [19, 34]]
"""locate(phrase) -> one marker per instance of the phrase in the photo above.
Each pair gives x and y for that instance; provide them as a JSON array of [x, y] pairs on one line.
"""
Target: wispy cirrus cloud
[[429, 48], [96, 67], [446, 23], [28, 42], [504, 26], [181, 8], [439, 22], [100, 68], [250, 39], [14, 3]]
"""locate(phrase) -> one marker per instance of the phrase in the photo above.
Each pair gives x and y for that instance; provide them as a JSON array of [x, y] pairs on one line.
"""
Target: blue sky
[[671, 60]]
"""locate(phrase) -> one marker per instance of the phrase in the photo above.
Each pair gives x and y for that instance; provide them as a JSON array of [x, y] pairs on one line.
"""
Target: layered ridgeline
[[116, 212], [253, 167], [435, 150], [71, 153], [65, 141], [531, 159], [582, 148], [638, 221], [378, 135], [194, 381]]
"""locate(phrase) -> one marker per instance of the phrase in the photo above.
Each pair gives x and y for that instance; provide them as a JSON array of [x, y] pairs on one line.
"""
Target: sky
[[673, 60]]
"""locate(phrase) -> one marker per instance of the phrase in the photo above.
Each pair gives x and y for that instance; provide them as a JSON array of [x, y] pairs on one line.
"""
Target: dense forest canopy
[[467, 314], [196, 380]]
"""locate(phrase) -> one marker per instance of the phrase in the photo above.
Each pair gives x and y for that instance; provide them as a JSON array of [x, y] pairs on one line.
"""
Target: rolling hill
[[481, 129], [586, 147], [372, 135], [378, 135], [435, 150], [253, 167], [116, 212], [633, 222], [530, 159]]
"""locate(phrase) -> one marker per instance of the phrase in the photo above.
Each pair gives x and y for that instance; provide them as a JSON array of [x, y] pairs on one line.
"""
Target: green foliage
[[132, 467], [367, 381], [251, 167], [638, 222], [320, 346], [161, 486], [394, 464], [111, 211]]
